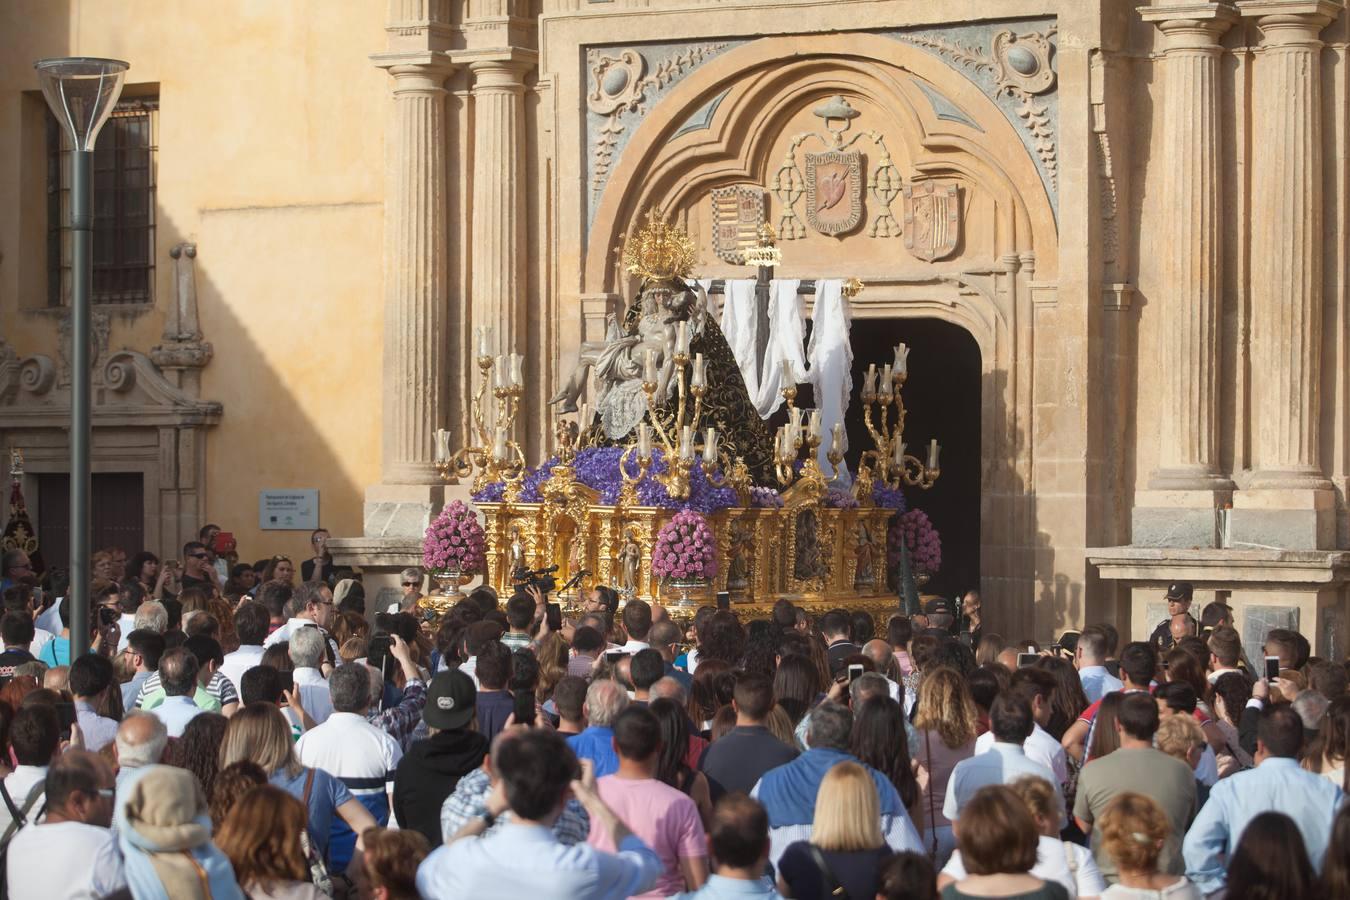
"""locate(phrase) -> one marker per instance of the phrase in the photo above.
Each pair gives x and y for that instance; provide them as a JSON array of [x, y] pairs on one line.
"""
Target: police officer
[[1179, 595]]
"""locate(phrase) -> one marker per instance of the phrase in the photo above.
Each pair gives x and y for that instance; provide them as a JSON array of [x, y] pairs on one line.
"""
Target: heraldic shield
[[932, 220], [834, 190]]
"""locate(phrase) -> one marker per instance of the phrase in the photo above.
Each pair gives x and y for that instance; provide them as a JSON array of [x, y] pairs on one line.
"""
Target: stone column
[[1178, 509], [497, 260], [416, 256], [1290, 503]]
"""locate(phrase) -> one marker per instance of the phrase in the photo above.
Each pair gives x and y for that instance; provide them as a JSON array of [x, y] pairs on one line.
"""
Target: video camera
[[540, 578]]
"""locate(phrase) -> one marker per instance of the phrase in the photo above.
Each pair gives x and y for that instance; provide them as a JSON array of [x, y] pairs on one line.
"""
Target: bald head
[[880, 653], [668, 688], [1009, 659], [141, 739], [623, 670], [1182, 626]]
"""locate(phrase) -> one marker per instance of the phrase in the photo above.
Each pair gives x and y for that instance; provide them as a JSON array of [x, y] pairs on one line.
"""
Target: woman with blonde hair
[[1133, 828], [261, 836], [846, 852], [260, 734], [944, 735], [1063, 862]]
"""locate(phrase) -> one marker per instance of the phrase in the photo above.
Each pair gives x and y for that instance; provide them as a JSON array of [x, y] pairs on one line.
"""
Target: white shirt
[[284, 633], [1002, 764], [176, 713], [314, 695], [1052, 864], [50, 620], [634, 646], [78, 862], [1040, 747], [127, 624], [350, 748], [239, 662], [20, 784], [40, 639]]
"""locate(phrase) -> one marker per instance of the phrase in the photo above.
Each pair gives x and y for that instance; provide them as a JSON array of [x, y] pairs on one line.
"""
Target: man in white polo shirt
[[250, 624], [311, 605], [1035, 687], [306, 651], [362, 756]]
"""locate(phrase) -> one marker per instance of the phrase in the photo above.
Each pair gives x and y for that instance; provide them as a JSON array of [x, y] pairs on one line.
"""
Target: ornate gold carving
[[660, 252]]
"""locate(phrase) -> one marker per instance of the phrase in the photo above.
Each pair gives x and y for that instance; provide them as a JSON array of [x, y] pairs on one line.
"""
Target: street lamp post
[[81, 92]]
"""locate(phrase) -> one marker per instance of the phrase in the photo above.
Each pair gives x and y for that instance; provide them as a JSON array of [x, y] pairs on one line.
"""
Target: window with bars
[[124, 207]]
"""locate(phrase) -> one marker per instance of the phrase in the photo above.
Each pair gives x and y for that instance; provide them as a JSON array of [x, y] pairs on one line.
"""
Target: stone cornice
[[434, 61], [1194, 12]]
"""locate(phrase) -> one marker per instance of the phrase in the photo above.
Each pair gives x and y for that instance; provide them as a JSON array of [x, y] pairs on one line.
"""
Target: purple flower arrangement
[[837, 499], [923, 540], [685, 548], [765, 498], [454, 542], [887, 497], [598, 468]]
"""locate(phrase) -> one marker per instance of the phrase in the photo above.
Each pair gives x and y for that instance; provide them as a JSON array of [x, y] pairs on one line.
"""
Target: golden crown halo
[[660, 251]]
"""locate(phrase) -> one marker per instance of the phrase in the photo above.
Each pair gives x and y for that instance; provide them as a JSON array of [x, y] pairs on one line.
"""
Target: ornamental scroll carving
[[620, 85], [831, 182], [1020, 66]]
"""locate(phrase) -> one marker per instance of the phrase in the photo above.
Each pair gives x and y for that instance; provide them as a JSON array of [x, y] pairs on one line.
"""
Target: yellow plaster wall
[[271, 155]]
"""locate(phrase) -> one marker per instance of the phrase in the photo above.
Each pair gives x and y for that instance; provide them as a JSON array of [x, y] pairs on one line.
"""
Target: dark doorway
[[942, 400], [117, 504]]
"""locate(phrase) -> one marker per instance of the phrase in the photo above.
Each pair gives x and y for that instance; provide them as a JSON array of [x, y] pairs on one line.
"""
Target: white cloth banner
[[831, 357], [787, 316], [740, 326]]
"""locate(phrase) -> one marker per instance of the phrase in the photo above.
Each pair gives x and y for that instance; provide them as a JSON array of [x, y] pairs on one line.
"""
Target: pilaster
[[1289, 502], [1178, 509]]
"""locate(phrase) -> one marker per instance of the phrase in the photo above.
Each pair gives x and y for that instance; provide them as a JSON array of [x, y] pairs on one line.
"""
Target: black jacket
[[428, 773]]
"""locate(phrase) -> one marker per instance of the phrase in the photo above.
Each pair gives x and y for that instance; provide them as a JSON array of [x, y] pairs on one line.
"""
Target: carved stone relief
[[833, 181], [932, 220], [99, 329]]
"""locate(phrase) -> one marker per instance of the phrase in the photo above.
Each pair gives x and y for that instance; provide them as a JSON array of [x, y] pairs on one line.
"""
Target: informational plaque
[[288, 509]]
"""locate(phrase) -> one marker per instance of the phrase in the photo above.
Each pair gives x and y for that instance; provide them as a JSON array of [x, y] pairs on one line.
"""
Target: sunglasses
[[410, 584], [200, 555]]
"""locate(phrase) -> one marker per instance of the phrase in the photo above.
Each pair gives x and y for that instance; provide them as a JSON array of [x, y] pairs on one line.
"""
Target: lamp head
[[81, 92]]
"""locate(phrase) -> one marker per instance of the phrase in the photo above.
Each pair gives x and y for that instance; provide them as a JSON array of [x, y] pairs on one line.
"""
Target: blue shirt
[[1097, 682], [1276, 785], [132, 689], [55, 652], [596, 743], [720, 888], [519, 861], [326, 794]]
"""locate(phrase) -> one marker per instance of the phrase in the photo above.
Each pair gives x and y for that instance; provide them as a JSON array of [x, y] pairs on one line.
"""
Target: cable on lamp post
[[81, 92]]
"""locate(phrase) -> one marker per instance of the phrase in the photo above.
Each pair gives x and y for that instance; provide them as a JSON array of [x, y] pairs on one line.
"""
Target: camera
[[540, 578]]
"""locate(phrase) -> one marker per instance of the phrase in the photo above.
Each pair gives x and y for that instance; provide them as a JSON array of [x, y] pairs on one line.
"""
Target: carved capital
[[182, 355], [1191, 26], [1291, 23]]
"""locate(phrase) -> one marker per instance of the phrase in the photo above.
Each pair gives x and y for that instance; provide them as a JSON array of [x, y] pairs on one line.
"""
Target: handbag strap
[[19, 817], [309, 786], [201, 874], [932, 814], [832, 886]]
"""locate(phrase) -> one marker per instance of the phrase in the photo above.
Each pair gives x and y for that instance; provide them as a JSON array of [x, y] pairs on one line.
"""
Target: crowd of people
[[257, 731]]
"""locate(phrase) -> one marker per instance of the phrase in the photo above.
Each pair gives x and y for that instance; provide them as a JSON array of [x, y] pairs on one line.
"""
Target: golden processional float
[[671, 426]]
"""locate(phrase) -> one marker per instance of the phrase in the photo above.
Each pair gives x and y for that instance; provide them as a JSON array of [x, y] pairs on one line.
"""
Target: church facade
[[1135, 212]]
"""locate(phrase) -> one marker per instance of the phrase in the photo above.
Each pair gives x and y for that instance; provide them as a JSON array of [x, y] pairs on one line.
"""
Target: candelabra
[[493, 452], [889, 461], [791, 438]]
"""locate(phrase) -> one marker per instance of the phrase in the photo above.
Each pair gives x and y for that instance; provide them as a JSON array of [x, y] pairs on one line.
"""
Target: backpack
[[18, 819]]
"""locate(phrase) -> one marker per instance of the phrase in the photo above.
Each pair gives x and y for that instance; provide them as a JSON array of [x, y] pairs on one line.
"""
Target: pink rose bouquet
[[923, 540], [454, 542], [685, 548]]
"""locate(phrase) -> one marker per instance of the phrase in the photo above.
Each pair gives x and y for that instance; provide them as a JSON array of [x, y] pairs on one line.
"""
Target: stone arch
[[762, 82]]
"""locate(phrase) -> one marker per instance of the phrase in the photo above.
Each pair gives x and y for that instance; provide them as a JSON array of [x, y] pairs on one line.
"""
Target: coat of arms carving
[[834, 190], [932, 215], [738, 212]]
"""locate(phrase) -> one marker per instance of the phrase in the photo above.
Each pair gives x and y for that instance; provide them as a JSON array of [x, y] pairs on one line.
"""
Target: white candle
[[899, 453], [789, 380], [517, 373], [649, 367], [644, 441], [584, 417], [442, 445], [682, 338], [884, 389], [709, 447], [697, 380], [837, 438], [933, 454], [795, 417], [784, 452], [501, 371], [815, 423], [485, 341], [499, 445], [901, 360], [870, 382], [687, 442]]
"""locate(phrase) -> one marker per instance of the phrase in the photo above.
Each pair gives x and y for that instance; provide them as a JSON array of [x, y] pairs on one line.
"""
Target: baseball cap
[[1180, 590], [938, 606], [451, 699]]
